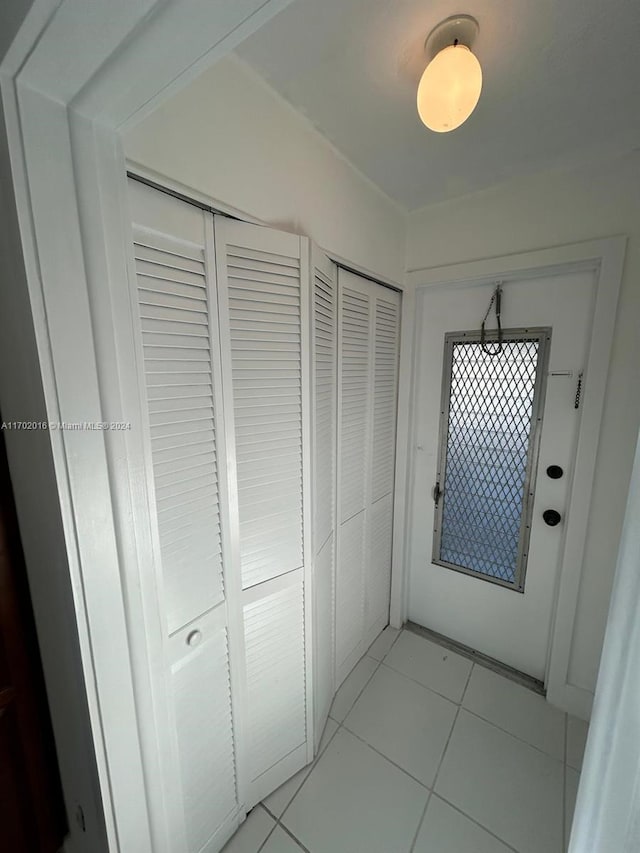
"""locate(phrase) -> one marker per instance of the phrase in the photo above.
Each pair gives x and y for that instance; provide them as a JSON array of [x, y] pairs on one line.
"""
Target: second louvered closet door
[[368, 337], [262, 306]]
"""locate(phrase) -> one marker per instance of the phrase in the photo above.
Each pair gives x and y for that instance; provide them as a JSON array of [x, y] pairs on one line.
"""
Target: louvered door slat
[[183, 454], [191, 586], [175, 326], [187, 346], [355, 311], [385, 370], [164, 292], [269, 435], [179, 260]]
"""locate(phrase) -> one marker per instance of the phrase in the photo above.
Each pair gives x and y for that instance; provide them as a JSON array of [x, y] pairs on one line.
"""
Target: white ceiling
[[561, 85]]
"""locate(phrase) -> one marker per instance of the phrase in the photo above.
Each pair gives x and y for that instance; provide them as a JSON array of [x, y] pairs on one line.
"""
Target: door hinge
[[437, 493]]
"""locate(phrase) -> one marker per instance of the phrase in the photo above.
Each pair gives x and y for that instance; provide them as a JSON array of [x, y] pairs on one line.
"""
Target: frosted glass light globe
[[449, 89]]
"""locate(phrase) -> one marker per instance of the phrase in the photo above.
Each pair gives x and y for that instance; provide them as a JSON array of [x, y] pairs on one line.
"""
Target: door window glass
[[490, 420]]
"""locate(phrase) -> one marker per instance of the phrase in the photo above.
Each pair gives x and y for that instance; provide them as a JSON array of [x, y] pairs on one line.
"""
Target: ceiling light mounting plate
[[464, 28]]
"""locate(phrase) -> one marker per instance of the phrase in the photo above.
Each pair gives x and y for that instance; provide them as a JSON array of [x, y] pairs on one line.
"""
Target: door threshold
[[509, 672]]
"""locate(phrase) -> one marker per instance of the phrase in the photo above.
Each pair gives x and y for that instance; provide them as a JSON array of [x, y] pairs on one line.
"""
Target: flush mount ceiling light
[[452, 81]]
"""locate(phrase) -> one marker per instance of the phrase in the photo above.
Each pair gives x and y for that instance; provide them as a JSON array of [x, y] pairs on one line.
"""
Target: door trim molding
[[606, 257]]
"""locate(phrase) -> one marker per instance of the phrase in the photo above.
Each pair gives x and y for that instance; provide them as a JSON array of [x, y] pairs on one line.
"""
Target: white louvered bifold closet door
[[174, 301], [323, 369], [368, 336], [265, 347]]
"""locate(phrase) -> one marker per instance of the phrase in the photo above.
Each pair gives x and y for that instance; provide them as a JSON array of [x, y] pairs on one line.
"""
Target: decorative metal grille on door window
[[490, 422]]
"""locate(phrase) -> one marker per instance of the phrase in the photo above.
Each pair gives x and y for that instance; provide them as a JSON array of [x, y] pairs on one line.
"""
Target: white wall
[[536, 212], [230, 136]]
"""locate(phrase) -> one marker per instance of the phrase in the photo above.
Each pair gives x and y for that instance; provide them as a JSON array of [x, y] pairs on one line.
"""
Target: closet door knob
[[194, 638]]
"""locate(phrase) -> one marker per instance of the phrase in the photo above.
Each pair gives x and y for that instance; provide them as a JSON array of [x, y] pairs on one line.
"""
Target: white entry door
[[485, 563]]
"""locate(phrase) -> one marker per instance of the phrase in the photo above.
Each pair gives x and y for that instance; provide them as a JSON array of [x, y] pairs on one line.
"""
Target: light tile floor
[[427, 752]]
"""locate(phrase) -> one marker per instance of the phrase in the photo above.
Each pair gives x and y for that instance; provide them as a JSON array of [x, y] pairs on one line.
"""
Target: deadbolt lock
[[551, 517]]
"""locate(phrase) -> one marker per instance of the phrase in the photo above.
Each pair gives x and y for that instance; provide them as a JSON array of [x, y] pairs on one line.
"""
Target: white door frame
[[78, 73], [606, 257]]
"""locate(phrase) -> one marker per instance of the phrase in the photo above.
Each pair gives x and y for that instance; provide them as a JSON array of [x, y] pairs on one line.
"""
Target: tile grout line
[[511, 734], [476, 822], [339, 725], [270, 833], [291, 835], [415, 681], [420, 822], [395, 640], [278, 820], [268, 811], [444, 751], [313, 764], [430, 790], [402, 770], [386, 757], [453, 805], [469, 710], [455, 720], [433, 791], [459, 706], [377, 667]]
